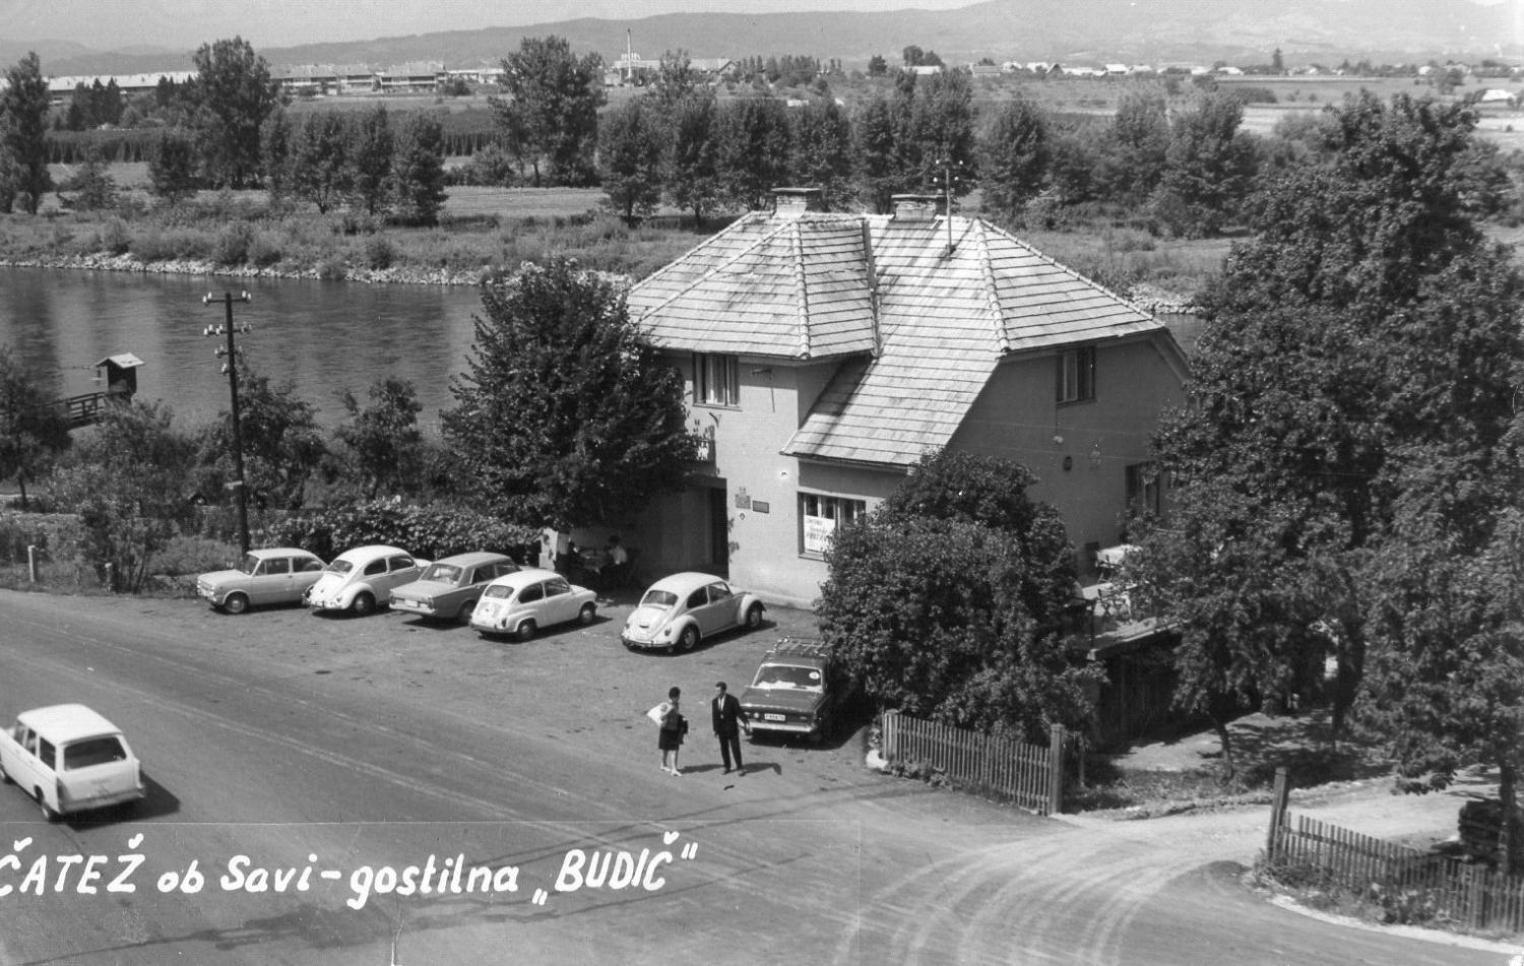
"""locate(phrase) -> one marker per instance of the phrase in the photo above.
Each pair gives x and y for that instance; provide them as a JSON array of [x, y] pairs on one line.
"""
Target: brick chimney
[[792, 202], [916, 207]]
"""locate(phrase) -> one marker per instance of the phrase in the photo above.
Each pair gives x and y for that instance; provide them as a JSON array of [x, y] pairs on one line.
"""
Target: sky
[[175, 24]]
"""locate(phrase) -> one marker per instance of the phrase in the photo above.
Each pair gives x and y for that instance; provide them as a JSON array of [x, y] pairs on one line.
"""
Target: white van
[[70, 759]]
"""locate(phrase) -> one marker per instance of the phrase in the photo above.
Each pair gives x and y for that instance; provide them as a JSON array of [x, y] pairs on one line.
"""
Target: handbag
[[657, 713]]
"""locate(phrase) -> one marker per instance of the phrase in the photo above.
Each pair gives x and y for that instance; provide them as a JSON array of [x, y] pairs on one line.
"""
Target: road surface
[[309, 769]]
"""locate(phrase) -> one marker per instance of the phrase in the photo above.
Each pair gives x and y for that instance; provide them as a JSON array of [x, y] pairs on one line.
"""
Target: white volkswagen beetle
[[679, 611], [361, 579]]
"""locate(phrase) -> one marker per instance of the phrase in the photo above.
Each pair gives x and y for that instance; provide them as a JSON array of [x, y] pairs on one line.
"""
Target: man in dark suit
[[728, 715]]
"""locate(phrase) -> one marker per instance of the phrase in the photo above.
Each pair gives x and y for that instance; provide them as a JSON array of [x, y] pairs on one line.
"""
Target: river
[[323, 337]]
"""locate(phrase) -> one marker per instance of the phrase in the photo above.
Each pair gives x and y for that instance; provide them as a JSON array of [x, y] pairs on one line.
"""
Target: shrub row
[[429, 531]]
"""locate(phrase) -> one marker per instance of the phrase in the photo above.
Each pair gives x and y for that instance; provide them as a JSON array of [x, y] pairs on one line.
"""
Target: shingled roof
[[919, 329]]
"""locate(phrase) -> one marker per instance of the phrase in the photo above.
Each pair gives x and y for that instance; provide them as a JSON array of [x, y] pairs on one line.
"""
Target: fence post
[[111, 577], [1056, 770], [31, 562], [1278, 802]]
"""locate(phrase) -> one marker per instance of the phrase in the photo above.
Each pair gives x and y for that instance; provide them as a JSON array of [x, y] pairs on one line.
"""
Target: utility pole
[[229, 355]]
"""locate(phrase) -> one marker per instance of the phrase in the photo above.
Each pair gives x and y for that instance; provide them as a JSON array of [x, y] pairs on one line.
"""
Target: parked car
[[521, 603], [797, 690], [279, 575], [69, 759], [679, 611], [362, 579], [448, 589]]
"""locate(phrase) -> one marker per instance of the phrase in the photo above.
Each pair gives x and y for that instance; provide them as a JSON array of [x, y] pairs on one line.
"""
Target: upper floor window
[[1076, 375], [716, 380]]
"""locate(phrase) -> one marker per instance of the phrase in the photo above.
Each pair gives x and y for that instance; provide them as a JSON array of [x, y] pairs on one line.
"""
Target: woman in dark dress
[[669, 736]]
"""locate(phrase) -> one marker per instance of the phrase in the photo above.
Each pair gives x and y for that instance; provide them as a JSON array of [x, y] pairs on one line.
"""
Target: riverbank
[[106, 262]]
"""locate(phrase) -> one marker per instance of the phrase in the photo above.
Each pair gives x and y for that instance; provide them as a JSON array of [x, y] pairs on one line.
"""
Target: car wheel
[[525, 631], [753, 617], [235, 603], [587, 614], [689, 639], [466, 610], [364, 604], [47, 810], [5, 776]]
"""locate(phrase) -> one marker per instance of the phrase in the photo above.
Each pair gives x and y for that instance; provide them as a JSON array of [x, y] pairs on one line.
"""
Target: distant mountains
[[1067, 31]]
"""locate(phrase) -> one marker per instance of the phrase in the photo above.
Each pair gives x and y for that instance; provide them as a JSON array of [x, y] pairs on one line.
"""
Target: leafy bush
[[333, 268], [185, 555], [264, 251], [56, 536], [432, 531], [233, 243], [114, 237], [379, 252]]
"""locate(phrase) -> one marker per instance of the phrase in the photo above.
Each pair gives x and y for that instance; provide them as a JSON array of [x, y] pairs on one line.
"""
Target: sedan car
[[362, 579], [280, 575], [521, 603], [448, 589], [679, 611]]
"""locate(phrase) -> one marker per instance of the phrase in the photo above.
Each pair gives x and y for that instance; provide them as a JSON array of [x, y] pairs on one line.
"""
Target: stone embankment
[[103, 262]]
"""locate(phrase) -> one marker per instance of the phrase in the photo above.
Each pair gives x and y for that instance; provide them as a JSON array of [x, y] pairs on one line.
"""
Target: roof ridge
[[1044, 256], [762, 239], [801, 292], [672, 265], [991, 288]]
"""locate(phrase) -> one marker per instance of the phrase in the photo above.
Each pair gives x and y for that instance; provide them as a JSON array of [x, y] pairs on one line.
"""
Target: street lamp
[[230, 366]]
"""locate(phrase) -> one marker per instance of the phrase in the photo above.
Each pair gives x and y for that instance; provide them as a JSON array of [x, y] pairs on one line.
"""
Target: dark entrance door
[[719, 532]]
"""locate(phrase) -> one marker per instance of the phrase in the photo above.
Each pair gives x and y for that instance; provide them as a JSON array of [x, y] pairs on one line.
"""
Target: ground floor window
[[820, 515]]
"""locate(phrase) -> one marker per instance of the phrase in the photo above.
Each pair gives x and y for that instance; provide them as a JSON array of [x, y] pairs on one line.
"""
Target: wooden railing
[[1029, 776], [1427, 887]]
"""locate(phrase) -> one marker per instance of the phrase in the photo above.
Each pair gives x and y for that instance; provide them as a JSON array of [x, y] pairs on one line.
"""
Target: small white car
[[279, 575], [519, 604], [360, 580], [679, 611], [69, 759]]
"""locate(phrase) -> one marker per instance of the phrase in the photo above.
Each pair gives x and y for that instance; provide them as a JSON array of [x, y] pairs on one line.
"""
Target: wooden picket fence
[[1028, 776], [1417, 886]]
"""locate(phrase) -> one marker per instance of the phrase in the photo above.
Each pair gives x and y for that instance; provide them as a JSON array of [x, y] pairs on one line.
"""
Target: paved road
[[362, 748]]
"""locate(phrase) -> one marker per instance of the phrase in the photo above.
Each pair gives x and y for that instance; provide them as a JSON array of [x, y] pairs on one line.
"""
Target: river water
[[324, 337]]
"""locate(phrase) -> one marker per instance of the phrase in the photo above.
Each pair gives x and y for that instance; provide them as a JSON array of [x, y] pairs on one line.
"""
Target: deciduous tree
[[128, 482], [1209, 167], [319, 169], [550, 116], [172, 166], [282, 445], [947, 601], [32, 427], [1014, 157], [418, 170], [382, 441], [751, 150], [566, 415], [23, 134], [692, 174], [631, 145], [234, 94], [370, 152], [820, 144], [1369, 328]]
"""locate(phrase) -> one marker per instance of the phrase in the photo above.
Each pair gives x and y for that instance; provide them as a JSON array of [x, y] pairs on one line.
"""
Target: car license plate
[[772, 717]]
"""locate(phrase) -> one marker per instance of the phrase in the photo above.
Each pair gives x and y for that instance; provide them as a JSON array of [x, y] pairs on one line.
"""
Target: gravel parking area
[[580, 681]]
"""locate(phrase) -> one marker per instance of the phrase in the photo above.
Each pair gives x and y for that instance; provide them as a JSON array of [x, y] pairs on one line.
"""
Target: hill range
[[1156, 32]]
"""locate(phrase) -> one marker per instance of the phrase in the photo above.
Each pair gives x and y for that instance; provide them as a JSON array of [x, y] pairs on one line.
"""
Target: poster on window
[[817, 533]]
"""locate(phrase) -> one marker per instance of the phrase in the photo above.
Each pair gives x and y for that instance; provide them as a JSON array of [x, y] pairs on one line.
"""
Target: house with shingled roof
[[824, 353]]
